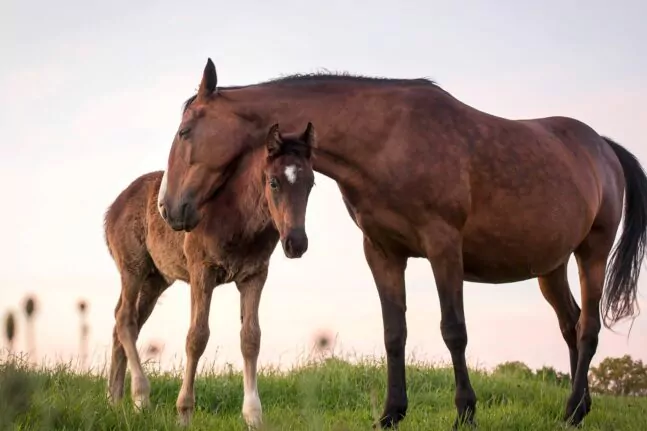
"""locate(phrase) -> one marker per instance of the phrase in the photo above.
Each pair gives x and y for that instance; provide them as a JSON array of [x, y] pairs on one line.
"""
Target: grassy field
[[335, 395]]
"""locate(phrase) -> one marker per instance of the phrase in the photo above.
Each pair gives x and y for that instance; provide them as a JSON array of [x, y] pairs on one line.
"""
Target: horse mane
[[326, 76]]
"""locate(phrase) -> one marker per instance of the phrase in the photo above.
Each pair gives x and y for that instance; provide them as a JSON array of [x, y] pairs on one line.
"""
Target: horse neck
[[344, 152]]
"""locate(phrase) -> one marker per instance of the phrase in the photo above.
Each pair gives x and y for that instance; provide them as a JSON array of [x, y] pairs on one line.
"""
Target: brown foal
[[265, 199]]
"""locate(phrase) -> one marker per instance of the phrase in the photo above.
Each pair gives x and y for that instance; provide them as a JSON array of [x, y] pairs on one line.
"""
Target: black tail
[[620, 294]]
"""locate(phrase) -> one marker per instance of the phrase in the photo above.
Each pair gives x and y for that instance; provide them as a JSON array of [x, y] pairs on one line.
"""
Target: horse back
[[596, 168]]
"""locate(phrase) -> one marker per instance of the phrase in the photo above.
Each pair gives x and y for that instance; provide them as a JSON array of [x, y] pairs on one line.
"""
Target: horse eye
[[184, 132], [274, 183]]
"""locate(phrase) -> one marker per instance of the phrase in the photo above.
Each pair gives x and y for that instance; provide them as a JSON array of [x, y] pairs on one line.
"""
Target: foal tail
[[619, 300]]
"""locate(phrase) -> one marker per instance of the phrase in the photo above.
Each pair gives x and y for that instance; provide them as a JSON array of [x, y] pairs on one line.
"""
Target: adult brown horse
[[265, 199], [483, 198]]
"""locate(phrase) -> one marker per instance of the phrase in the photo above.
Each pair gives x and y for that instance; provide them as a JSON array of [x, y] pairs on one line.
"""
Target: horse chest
[[240, 255]]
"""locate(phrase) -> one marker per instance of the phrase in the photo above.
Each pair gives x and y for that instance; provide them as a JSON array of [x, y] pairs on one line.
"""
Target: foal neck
[[248, 188]]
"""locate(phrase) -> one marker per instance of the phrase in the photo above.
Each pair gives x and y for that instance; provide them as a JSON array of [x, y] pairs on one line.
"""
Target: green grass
[[335, 395]]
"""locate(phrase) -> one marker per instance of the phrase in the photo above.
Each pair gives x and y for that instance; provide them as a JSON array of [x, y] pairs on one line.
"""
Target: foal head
[[289, 177]]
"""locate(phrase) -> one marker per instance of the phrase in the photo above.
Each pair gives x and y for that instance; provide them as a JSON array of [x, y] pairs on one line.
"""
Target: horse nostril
[[183, 209], [163, 212], [288, 245]]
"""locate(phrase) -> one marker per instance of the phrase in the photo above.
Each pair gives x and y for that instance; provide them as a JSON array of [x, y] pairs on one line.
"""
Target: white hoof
[[141, 402], [253, 412], [184, 419], [140, 393]]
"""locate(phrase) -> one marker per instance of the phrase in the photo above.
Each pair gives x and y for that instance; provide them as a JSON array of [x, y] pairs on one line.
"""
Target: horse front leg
[[388, 272], [196, 341], [250, 344], [446, 257]]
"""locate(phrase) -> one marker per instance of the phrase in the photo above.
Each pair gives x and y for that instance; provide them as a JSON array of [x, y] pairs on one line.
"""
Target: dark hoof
[[577, 410], [391, 419]]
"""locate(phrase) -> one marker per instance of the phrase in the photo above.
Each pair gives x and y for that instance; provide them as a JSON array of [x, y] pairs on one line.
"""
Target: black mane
[[344, 76], [317, 77]]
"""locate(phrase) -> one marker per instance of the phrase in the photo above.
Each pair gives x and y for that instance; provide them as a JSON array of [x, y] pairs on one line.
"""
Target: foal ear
[[209, 80], [274, 140], [309, 136]]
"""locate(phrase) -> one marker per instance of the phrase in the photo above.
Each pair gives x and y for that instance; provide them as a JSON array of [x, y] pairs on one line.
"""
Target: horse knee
[[569, 333], [250, 340], [588, 333], [454, 335], [394, 342], [126, 323], [197, 339]]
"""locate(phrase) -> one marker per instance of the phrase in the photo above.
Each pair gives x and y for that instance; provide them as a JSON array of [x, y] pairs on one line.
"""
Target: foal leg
[[117, 373], [250, 344], [127, 330], [446, 258], [591, 260], [196, 340], [145, 304], [152, 288], [388, 274]]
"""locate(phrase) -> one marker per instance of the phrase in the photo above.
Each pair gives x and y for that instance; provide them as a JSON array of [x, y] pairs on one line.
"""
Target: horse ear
[[309, 136], [274, 140], [209, 80]]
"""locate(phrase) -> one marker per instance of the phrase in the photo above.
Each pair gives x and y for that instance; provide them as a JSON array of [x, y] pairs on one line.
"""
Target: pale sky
[[91, 97]]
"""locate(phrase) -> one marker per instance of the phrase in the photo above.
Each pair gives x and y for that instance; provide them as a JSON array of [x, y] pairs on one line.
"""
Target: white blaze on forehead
[[291, 174], [162, 192]]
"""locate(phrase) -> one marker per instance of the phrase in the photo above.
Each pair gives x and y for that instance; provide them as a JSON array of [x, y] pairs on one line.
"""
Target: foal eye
[[274, 184], [184, 132]]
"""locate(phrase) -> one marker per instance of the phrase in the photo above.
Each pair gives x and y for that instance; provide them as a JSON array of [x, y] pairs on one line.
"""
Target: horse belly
[[168, 257], [513, 249]]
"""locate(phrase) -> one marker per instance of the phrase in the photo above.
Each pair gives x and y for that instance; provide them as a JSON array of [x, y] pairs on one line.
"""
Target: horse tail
[[619, 299]]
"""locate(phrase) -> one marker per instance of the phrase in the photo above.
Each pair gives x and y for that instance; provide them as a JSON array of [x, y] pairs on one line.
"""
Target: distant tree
[[10, 330], [516, 368], [82, 307], [550, 374], [30, 311], [153, 350], [619, 376]]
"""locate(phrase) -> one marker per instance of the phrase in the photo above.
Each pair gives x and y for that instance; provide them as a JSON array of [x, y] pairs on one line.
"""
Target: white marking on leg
[[252, 409], [162, 192], [291, 174]]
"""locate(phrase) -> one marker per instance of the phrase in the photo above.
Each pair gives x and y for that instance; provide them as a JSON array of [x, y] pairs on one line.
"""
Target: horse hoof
[[184, 419], [575, 412], [253, 413], [141, 402], [113, 399], [389, 420]]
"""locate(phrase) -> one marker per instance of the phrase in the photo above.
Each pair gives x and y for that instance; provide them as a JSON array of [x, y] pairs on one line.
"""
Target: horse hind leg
[[127, 329], [556, 290], [591, 258], [150, 291], [117, 373]]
